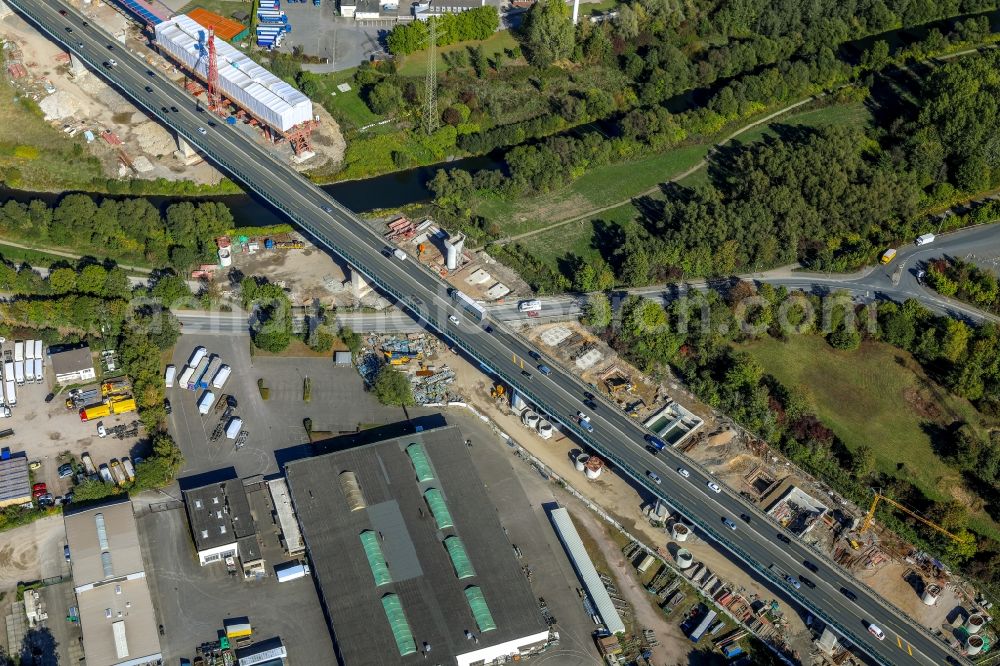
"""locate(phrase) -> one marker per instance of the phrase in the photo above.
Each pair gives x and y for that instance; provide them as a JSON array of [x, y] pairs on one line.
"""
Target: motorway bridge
[[836, 597]]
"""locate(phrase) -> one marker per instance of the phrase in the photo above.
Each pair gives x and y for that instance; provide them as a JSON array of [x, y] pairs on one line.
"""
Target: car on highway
[[535, 355], [730, 524], [62, 12], [453, 319], [202, 130], [174, 109], [714, 487], [783, 538], [590, 404], [544, 369], [653, 476], [875, 631], [683, 472], [79, 45], [86, 25], [809, 565], [745, 518], [65, 470], [584, 421], [148, 89], [849, 593], [69, 29], [807, 582], [526, 374], [326, 208], [150, 72], [794, 583]]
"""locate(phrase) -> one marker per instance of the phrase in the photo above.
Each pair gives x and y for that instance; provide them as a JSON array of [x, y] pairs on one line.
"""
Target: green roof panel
[[380, 570], [400, 627], [459, 557], [435, 500], [418, 456], [480, 611]]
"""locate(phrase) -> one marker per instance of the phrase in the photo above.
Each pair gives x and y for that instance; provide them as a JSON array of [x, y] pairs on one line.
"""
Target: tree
[[384, 98], [548, 33], [62, 280], [634, 262], [597, 311], [393, 387], [350, 339], [845, 336], [863, 462]]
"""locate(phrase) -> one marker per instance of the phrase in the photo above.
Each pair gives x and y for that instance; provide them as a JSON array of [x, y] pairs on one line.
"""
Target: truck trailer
[[290, 571], [105, 474], [128, 469], [466, 303], [169, 375], [19, 372], [122, 405], [29, 350], [38, 349], [118, 473], [185, 377], [196, 356], [29, 371], [39, 372], [18, 350], [222, 376], [202, 380], [11, 392], [205, 402], [234, 427], [199, 370], [98, 411]]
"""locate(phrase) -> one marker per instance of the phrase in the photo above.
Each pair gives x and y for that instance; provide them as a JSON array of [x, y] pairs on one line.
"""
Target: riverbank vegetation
[[903, 400]]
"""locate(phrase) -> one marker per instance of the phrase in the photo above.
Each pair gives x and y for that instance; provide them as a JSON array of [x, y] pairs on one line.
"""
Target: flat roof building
[[15, 482], [221, 523], [291, 535], [73, 366], [115, 606], [409, 556]]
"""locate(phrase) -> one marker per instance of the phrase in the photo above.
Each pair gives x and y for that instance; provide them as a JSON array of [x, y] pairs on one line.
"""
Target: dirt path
[[68, 255], [674, 646]]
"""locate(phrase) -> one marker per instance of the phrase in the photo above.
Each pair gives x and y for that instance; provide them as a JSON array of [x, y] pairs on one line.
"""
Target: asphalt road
[[503, 353]]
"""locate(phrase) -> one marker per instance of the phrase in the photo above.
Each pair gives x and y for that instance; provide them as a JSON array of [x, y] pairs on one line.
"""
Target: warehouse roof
[[72, 360], [219, 514], [390, 578], [15, 482]]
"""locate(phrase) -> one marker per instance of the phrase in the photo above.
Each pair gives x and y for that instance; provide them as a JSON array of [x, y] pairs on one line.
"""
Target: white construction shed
[[242, 80]]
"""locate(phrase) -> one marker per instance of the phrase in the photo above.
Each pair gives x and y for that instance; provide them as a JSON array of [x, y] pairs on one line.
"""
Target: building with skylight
[[412, 564], [116, 610]]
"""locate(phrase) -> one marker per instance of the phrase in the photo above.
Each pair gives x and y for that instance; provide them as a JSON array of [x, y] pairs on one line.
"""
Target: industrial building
[[15, 481], [409, 557], [115, 606], [221, 524], [73, 366], [248, 85]]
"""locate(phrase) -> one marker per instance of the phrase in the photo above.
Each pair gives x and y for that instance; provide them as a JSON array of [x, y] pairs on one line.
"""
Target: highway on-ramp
[[560, 394]]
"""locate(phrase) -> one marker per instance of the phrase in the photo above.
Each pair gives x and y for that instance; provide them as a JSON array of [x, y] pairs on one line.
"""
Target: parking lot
[[320, 32], [338, 405]]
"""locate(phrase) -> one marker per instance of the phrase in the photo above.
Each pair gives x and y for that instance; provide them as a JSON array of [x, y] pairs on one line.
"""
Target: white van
[[925, 239]]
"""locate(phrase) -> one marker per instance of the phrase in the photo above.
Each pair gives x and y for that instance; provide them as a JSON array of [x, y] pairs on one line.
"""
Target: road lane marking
[[909, 648], [899, 642]]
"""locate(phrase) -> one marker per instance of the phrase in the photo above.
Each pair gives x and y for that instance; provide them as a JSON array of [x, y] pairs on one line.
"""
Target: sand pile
[[154, 139], [59, 105]]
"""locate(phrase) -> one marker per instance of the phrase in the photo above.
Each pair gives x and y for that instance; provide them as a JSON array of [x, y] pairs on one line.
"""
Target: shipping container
[[123, 406], [168, 376], [38, 349], [97, 411], [703, 626], [222, 376], [234, 427], [196, 356], [205, 402]]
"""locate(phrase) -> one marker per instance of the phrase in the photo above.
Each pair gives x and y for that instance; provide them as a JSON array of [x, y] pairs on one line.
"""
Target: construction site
[[129, 143]]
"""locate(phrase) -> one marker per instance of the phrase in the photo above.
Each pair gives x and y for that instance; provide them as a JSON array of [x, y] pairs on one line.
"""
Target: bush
[[265, 392], [393, 387]]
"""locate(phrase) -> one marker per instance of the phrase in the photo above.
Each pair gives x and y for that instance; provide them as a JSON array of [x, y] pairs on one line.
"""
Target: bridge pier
[[359, 286], [185, 152], [76, 66]]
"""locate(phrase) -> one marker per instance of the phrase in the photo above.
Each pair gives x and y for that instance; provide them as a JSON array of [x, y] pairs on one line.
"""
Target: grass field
[[347, 107], [415, 64], [877, 396]]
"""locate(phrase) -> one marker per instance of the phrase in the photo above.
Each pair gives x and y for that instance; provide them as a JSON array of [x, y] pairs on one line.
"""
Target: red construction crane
[[214, 99]]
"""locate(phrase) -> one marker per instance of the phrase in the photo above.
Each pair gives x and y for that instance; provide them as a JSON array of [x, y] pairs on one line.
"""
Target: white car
[[112, 62], [453, 319], [582, 416], [654, 477], [101, 431], [683, 472], [876, 632], [714, 487], [201, 130]]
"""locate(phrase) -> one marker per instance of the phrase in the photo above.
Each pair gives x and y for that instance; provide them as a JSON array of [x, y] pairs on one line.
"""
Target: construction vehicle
[[118, 473], [115, 387], [88, 464], [870, 517], [128, 469], [498, 392]]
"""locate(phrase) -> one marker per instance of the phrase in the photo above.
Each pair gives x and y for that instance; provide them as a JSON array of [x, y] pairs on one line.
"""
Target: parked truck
[[115, 387], [128, 469], [4, 411], [29, 350], [105, 474], [202, 381], [18, 350], [29, 371], [88, 464], [98, 411], [199, 370], [924, 239], [122, 405], [82, 398], [38, 350], [205, 402], [11, 392], [118, 473], [234, 427], [290, 571], [39, 372], [888, 256], [196, 356], [222, 376], [19, 372], [169, 375], [185, 377]]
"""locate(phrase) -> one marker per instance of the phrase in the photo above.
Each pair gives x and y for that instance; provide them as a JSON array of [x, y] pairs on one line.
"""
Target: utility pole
[[431, 120]]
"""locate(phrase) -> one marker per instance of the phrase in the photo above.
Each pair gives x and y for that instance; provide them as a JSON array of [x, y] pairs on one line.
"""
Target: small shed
[[342, 358]]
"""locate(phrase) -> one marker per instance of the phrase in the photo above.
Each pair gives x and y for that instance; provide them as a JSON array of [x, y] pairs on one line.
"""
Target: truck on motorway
[[290, 571], [128, 469], [122, 405], [529, 306], [38, 350], [234, 427], [18, 350], [169, 375], [222, 376], [39, 372], [19, 372], [196, 356], [105, 474], [199, 370], [888, 255], [11, 392], [98, 411], [466, 303], [205, 402]]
